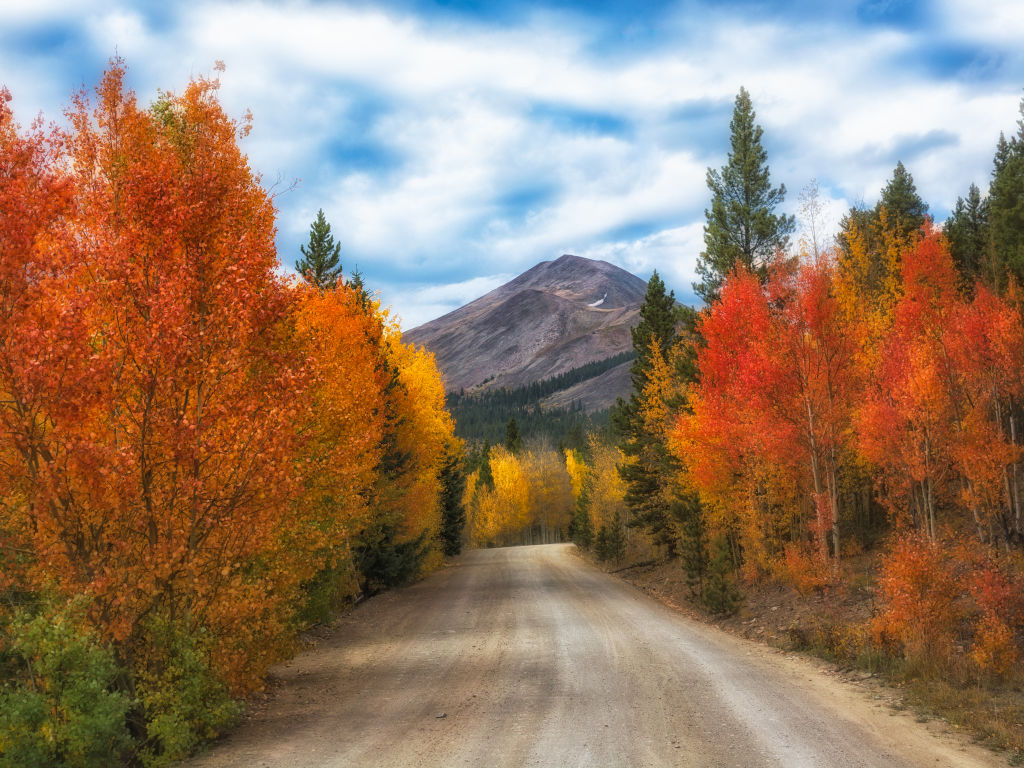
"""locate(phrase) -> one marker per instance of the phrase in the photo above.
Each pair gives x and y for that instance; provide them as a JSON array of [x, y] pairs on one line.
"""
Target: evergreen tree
[[720, 594], [453, 514], [650, 466], [616, 540], [905, 209], [967, 232], [659, 315], [601, 544], [1006, 207], [741, 223], [513, 440], [486, 479], [882, 233], [320, 264], [693, 550], [581, 531]]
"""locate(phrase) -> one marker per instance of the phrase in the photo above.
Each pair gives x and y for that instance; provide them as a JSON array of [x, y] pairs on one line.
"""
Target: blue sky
[[455, 144]]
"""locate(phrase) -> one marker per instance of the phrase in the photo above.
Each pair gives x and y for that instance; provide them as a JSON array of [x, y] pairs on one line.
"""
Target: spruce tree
[[513, 440], [967, 232], [601, 544], [720, 593], [616, 541], [659, 315], [1006, 208], [581, 532], [486, 478], [882, 233], [453, 514], [741, 224], [905, 210], [651, 466], [320, 264]]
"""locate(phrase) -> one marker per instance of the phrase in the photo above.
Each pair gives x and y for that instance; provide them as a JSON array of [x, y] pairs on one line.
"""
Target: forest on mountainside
[[482, 416]]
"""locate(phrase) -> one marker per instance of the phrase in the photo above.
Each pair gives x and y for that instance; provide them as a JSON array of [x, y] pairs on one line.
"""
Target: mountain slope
[[551, 319]]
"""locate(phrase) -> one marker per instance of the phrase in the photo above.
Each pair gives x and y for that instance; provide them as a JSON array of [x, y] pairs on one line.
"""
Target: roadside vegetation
[[199, 457], [842, 420]]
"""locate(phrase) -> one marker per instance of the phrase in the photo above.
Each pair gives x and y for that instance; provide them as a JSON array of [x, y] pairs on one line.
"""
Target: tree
[[720, 593], [601, 544], [661, 367], [905, 209], [453, 513], [616, 540], [1006, 207], [513, 440], [581, 528], [871, 246], [741, 224], [967, 231], [320, 264]]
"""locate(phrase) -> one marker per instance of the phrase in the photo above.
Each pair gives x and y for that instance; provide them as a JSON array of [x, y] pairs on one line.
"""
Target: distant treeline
[[484, 416]]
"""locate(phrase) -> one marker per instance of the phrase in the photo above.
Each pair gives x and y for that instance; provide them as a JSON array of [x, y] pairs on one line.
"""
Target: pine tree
[[601, 544], [905, 210], [741, 223], [320, 264], [616, 540], [659, 315], [650, 466], [486, 479], [580, 529], [720, 594], [453, 514], [872, 240], [693, 550], [1006, 207], [513, 440], [967, 232]]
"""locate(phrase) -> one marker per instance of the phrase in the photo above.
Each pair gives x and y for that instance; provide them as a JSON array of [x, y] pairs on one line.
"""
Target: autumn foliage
[[819, 405], [190, 443]]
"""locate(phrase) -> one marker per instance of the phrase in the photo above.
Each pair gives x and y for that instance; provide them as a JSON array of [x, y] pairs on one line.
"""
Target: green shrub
[[182, 701], [328, 591], [58, 704]]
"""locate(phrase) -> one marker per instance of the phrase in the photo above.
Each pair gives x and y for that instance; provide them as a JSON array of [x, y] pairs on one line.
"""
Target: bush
[[324, 594], [182, 701], [919, 590], [806, 571], [58, 702]]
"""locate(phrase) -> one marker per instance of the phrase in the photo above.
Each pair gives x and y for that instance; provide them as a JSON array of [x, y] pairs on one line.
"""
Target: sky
[[455, 144]]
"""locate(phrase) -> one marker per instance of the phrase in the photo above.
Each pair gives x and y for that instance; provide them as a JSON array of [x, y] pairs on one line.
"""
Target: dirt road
[[530, 657]]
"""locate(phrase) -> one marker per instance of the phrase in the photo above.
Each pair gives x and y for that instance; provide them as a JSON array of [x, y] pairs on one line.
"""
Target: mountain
[[553, 318]]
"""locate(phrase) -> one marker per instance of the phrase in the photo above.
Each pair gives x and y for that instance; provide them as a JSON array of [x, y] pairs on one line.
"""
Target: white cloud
[[468, 113], [424, 303]]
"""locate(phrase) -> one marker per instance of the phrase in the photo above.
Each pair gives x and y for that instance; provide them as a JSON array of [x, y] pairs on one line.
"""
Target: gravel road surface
[[529, 656]]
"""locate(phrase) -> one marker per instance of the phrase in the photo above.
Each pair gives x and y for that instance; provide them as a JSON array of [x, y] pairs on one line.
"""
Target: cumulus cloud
[[451, 149]]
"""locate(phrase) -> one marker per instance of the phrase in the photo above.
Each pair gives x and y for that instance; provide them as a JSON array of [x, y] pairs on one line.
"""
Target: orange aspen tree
[[163, 438], [341, 434], [41, 329]]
